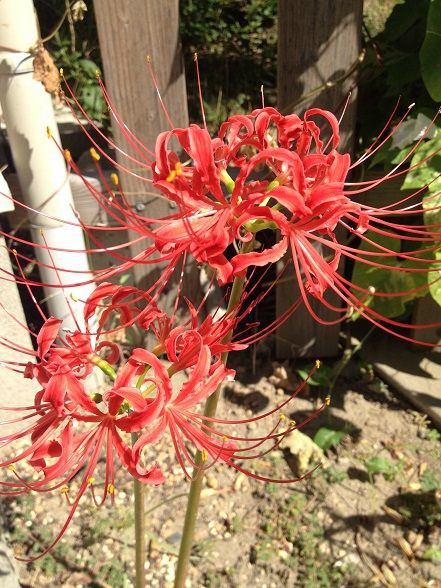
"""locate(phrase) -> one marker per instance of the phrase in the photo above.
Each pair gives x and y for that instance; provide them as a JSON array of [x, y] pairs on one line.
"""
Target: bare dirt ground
[[370, 517]]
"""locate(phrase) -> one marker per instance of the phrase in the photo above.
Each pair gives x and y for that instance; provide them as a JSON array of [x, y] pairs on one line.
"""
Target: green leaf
[[89, 67], [432, 553], [402, 18], [320, 378], [385, 280], [404, 71], [430, 52], [435, 286], [92, 99], [380, 465], [427, 171], [430, 480], [326, 438], [412, 129]]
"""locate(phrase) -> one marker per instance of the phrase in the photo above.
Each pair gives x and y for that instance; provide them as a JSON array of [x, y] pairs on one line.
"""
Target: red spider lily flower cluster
[[263, 171], [69, 429]]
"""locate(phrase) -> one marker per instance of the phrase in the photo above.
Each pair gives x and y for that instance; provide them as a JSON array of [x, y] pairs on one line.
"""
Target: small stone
[[212, 481], [305, 453], [241, 482], [174, 538]]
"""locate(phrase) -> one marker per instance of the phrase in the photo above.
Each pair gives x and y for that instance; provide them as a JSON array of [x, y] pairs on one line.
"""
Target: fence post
[[128, 32], [319, 46]]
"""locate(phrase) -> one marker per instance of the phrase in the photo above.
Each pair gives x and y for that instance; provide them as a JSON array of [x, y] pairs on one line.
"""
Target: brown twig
[[369, 564]]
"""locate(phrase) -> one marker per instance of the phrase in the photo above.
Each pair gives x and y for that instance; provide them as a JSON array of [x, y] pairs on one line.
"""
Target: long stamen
[[201, 102]]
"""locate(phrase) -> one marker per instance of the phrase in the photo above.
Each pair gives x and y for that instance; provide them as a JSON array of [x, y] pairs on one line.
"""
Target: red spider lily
[[306, 198], [142, 400], [59, 455], [182, 342], [63, 359], [188, 427], [308, 185], [290, 177], [202, 382]]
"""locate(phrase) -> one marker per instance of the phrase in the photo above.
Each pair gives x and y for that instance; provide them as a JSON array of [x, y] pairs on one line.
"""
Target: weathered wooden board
[[128, 32], [319, 45]]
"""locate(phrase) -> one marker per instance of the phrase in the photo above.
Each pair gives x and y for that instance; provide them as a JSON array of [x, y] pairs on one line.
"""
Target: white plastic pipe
[[41, 169]]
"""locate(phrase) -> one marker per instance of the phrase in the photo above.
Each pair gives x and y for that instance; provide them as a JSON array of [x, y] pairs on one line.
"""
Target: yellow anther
[[204, 455], [11, 468], [328, 400], [195, 56], [67, 155], [94, 154], [14, 252], [292, 423], [317, 363], [148, 58], [74, 297], [177, 171], [91, 480], [111, 489], [171, 176], [61, 70], [282, 417], [49, 133], [114, 179], [64, 489], [97, 74]]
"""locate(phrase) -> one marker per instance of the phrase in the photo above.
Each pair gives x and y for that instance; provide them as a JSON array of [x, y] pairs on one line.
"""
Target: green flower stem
[[198, 476], [139, 512], [103, 365]]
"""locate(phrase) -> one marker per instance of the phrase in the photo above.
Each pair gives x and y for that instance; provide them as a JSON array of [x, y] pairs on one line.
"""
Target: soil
[[368, 517]]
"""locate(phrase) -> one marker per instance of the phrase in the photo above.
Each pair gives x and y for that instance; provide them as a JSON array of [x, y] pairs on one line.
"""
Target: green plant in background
[[433, 553], [327, 438], [404, 60], [320, 378], [237, 42], [68, 31], [381, 465], [81, 73]]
